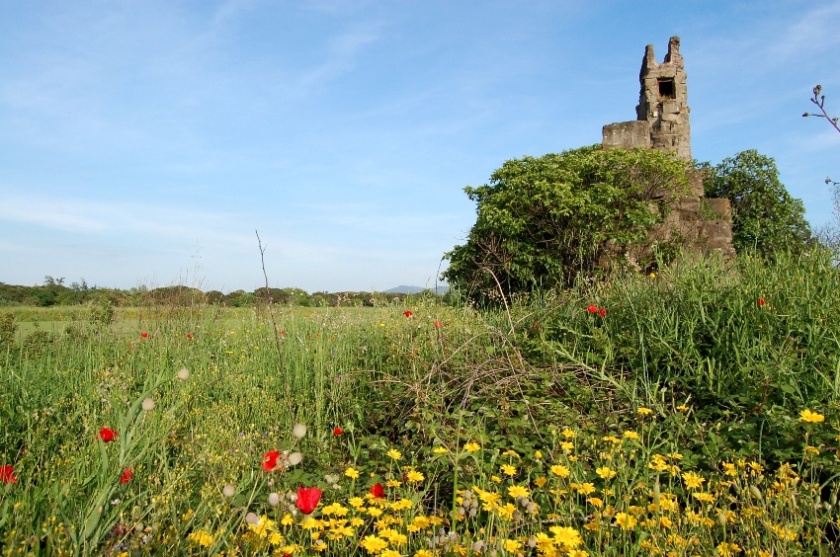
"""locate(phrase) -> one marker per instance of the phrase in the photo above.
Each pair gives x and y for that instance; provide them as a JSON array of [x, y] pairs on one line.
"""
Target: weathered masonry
[[662, 123]]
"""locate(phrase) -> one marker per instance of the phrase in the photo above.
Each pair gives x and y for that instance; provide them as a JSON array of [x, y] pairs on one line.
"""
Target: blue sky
[[143, 142]]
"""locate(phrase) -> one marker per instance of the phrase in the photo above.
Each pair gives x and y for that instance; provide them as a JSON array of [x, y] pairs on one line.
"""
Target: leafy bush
[[542, 221], [765, 218]]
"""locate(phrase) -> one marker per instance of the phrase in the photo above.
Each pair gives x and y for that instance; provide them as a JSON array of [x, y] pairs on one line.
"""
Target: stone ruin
[[662, 123]]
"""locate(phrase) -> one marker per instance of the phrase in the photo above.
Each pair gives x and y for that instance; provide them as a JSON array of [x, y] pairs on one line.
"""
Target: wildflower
[[692, 480], [704, 496], [440, 450], [337, 431], [517, 491], [568, 433], [263, 526], [566, 536], [373, 544], [630, 435], [414, 476], [377, 491], [560, 470], [508, 470], [437, 324], [148, 404], [307, 499], [107, 434], [538, 455], [299, 430], [394, 454], [7, 474], [183, 374], [761, 302], [683, 408], [642, 411], [126, 476], [625, 521], [602, 312], [144, 334], [189, 335], [408, 313], [727, 549], [393, 483], [352, 473], [511, 546], [584, 489], [335, 509], [652, 275], [605, 472], [592, 308], [201, 537], [506, 511], [472, 447], [270, 461], [810, 417]]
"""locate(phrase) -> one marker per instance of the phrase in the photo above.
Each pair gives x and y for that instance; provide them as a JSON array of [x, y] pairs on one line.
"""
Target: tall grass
[[671, 423]]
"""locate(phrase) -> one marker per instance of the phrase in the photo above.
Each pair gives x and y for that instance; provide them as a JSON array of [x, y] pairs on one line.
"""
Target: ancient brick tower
[[662, 123], [663, 101]]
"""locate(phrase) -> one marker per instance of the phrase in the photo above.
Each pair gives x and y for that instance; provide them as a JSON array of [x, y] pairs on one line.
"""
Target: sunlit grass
[[446, 432]]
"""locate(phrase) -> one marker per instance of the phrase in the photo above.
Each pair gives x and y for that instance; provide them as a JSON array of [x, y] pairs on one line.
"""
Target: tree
[[541, 221], [765, 218]]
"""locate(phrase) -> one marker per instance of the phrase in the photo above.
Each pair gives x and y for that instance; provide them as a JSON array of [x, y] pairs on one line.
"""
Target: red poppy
[[107, 434], [270, 463], [144, 334], [126, 476], [337, 431], [592, 308], [437, 324], [602, 312], [761, 302], [7, 474], [377, 490], [189, 335], [307, 499], [408, 313]]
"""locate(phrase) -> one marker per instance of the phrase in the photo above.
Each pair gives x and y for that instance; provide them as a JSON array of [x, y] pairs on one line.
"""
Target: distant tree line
[[54, 292]]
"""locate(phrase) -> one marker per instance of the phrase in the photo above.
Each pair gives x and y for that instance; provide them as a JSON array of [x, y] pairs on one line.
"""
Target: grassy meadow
[[691, 412]]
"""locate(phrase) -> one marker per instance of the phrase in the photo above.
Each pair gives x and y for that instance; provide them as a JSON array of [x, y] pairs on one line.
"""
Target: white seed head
[[252, 518], [228, 490], [273, 499], [299, 430], [295, 458], [148, 404], [183, 374]]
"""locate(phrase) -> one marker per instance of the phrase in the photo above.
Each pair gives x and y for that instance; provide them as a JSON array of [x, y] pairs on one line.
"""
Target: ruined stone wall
[[663, 123]]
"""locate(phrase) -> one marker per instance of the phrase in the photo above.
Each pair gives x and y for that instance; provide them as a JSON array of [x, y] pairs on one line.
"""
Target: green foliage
[[684, 372], [765, 218], [542, 221], [8, 327]]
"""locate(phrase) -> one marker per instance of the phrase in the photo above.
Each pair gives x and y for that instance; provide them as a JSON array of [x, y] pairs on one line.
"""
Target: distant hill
[[403, 289]]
